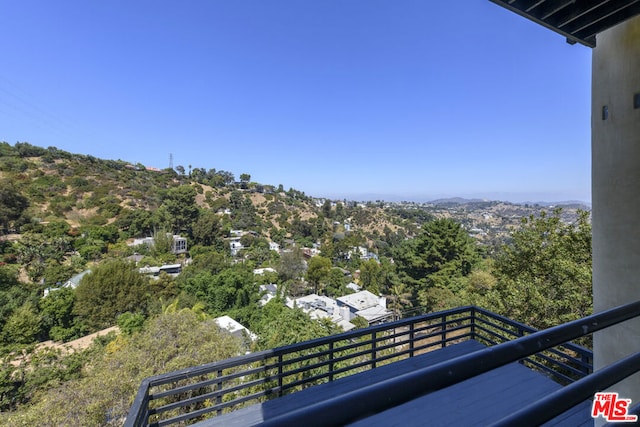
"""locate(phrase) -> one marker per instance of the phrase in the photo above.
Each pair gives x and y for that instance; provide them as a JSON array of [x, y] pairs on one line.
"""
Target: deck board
[[480, 400]]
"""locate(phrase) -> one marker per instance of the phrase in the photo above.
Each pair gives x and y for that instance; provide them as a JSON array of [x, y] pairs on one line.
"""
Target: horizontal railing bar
[[490, 332], [565, 366], [545, 369], [242, 399], [304, 381], [399, 389], [208, 368], [354, 366], [486, 324], [205, 396], [217, 380], [573, 394], [439, 343], [307, 368], [484, 312], [565, 355], [203, 411]]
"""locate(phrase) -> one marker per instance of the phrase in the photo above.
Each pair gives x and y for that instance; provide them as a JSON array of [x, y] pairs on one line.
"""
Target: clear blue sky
[[390, 99]]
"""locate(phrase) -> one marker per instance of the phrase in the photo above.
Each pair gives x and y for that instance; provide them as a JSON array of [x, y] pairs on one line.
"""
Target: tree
[[292, 265], [326, 209], [57, 314], [23, 326], [544, 274], [135, 223], [371, 277], [245, 178], [278, 325], [232, 288], [399, 298], [208, 231], [112, 288], [33, 251], [180, 203], [318, 271], [336, 283], [180, 170], [442, 253]]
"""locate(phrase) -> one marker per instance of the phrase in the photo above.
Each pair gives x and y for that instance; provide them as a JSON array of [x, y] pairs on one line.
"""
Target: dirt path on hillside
[[80, 343], [68, 347]]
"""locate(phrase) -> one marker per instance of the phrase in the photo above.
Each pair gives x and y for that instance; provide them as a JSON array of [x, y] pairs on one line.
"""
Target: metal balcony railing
[[204, 391]]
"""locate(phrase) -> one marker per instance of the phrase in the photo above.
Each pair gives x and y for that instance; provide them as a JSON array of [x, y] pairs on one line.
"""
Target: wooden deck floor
[[477, 401]]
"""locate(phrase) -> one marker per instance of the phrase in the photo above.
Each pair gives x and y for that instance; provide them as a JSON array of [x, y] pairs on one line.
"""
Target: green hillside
[[73, 261]]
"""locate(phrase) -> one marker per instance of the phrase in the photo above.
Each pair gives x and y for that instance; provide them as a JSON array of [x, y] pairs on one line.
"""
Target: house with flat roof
[[322, 307], [366, 305]]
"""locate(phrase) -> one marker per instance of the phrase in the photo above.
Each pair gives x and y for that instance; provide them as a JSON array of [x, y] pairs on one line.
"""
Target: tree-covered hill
[[70, 264]]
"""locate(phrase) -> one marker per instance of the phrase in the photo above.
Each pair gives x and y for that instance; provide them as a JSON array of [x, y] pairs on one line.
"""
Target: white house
[[236, 246], [274, 246], [319, 307], [71, 283], [267, 292], [178, 243], [366, 305], [235, 328]]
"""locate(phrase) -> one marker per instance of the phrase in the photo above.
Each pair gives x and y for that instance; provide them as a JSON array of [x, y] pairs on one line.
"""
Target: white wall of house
[[616, 191]]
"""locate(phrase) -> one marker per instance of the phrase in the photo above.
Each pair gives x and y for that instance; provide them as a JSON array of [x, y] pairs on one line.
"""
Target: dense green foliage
[[544, 275], [97, 397], [112, 288], [437, 261]]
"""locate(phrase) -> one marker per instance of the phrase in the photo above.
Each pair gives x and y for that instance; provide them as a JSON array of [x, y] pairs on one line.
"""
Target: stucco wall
[[616, 191]]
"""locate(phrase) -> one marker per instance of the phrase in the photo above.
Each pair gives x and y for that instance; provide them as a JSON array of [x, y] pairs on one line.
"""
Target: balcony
[[462, 366]]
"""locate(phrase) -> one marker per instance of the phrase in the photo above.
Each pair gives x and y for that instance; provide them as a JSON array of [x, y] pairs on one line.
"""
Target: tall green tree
[[208, 230], [12, 205], [318, 272], [56, 310], [439, 256], [180, 203], [24, 325], [544, 274], [371, 277], [112, 288]]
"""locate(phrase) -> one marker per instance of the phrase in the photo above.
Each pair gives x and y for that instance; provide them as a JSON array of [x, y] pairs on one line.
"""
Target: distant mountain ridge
[[462, 201]]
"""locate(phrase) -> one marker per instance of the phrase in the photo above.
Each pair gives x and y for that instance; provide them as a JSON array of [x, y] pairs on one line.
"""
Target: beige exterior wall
[[616, 191]]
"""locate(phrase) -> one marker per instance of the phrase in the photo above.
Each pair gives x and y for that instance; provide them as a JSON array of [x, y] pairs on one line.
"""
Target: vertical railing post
[[443, 328], [473, 323], [411, 338], [280, 375], [331, 361], [520, 333], [589, 364], [219, 388], [145, 418], [373, 350]]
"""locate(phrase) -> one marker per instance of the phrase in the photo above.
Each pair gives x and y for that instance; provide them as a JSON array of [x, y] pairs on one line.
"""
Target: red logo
[[612, 408]]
